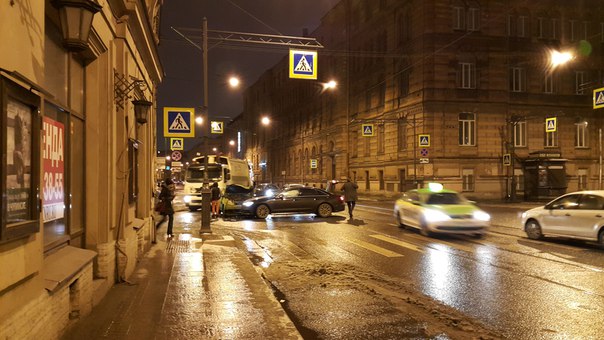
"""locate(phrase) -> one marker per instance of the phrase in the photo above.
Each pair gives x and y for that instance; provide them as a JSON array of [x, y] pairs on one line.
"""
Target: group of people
[[166, 196], [165, 209]]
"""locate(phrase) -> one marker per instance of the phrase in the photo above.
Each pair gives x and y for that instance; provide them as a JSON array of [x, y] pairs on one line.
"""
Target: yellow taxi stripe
[[375, 248], [398, 242]]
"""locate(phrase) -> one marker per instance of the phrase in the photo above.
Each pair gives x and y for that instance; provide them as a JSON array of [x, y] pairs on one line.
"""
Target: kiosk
[[544, 175]]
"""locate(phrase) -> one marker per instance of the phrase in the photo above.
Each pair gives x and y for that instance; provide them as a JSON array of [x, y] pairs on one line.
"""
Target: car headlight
[[187, 199], [435, 216], [247, 203], [481, 216]]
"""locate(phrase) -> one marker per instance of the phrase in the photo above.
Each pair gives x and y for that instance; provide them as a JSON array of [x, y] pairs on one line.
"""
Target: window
[[516, 26], [551, 139], [548, 83], [580, 82], [582, 179], [403, 83], [520, 134], [402, 134], [581, 135], [467, 129], [467, 178], [381, 137], [367, 146], [458, 18], [540, 27], [555, 29], [517, 79], [19, 133], [519, 178], [521, 26], [572, 28], [473, 19], [467, 75]]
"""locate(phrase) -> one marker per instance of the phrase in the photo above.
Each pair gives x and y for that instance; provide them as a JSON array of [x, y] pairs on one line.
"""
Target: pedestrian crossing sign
[[507, 159], [550, 124], [424, 140], [368, 130], [303, 64], [217, 127], [177, 144], [599, 98], [178, 122]]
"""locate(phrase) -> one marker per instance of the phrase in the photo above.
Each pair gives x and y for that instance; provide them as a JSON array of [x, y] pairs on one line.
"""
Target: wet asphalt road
[[521, 288]]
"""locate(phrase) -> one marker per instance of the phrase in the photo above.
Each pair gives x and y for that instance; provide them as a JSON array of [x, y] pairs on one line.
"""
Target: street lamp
[[234, 82]]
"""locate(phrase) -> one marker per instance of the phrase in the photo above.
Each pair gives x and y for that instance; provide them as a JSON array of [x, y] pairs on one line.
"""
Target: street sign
[[424, 160], [303, 64], [217, 127], [176, 156], [507, 159], [177, 144], [313, 163], [176, 164], [599, 98], [367, 130], [423, 152], [550, 124], [178, 122], [424, 140]]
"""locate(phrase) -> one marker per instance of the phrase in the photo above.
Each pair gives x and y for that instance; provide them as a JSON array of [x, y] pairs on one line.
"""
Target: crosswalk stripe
[[375, 248], [398, 242]]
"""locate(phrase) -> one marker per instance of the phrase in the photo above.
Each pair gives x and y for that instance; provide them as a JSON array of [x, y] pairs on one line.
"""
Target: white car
[[437, 210], [578, 215]]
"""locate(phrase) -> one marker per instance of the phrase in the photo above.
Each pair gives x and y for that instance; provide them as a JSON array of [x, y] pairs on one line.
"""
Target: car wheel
[[601, 238], [423, 229], [399, 220], [533, 230], [324, 210], [262, 211]]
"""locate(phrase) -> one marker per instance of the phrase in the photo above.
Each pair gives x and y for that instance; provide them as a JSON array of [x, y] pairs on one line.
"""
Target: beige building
[[459, 92], [78, 151]]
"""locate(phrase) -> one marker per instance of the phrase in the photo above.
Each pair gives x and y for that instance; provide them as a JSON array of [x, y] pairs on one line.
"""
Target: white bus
[[221, 169]]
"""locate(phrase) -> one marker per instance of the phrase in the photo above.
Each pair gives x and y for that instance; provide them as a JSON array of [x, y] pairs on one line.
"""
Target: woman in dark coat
[[166, 196]]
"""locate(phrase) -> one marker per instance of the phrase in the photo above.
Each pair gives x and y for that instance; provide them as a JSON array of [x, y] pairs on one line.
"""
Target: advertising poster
[[18, 159], [53, 141]]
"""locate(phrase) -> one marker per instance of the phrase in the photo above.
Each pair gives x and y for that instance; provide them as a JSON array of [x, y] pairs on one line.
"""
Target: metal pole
[[205, 191], [512, 162], [600, 168], [415, 151]]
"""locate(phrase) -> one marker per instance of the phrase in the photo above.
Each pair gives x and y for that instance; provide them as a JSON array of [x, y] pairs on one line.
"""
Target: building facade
[[459, 92], [77, 171]]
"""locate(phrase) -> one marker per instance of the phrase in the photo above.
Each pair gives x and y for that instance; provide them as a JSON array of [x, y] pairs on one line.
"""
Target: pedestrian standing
[[350, 195], [215, 200], [166, 196]]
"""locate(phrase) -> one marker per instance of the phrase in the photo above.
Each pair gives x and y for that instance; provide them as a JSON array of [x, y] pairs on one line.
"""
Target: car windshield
[[236, 189], [444, 198], [195, 174]]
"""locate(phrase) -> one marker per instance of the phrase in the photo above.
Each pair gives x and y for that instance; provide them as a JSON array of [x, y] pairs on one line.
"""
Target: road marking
[[374, 248], [397, 242]]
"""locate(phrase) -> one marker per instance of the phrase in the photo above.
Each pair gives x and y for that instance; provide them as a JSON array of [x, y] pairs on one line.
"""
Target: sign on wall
[[550, 124], [368, 130], [53, 156]]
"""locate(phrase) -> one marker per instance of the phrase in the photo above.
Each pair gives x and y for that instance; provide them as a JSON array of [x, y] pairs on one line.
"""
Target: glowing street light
[[231, 142], [330, 84], [560, 58], [234, 82], [199, 120], [265, 120]]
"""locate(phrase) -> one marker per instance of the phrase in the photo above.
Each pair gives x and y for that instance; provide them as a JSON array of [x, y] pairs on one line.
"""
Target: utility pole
[[206, 194]]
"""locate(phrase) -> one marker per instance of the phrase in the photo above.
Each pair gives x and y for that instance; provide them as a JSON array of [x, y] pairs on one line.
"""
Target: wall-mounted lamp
[[76, 21], [141, 110]]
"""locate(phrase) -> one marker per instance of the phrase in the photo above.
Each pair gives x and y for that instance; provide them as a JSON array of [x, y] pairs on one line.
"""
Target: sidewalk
[[189, 288]]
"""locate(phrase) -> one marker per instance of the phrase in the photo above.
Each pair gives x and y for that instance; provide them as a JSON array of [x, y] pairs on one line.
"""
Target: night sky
[[182, 62]]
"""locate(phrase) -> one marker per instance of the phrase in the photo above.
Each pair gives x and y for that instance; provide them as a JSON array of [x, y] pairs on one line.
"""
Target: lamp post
[[206, 193]]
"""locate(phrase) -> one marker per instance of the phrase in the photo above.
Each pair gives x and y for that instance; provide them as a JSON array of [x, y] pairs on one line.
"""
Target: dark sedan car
[[295, 200]]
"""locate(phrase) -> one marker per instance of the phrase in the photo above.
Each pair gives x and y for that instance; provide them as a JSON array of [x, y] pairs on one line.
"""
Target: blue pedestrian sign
[[216, 127], [599, 98], [368, 130], [550, 124], [179, 122], [303, 64], [424, 140]]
